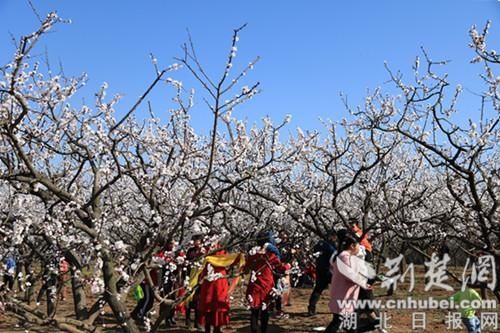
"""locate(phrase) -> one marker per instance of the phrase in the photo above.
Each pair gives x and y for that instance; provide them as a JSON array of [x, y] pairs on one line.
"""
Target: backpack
[[138, 293]]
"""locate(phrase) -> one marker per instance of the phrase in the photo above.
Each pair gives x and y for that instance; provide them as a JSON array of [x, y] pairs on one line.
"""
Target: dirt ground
[[297, 321]]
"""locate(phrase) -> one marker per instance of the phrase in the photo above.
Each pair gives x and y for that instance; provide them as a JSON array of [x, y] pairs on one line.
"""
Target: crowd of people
[[200, 280], [207, 274]]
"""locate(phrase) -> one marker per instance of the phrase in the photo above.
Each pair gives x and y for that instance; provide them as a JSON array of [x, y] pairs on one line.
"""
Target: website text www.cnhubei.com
[[417, 304]]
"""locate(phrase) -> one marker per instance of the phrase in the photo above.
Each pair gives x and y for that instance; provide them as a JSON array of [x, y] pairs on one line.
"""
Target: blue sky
[[311, 50]]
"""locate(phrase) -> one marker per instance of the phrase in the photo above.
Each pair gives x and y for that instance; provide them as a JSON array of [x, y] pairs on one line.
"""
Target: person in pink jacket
[[347, 279]]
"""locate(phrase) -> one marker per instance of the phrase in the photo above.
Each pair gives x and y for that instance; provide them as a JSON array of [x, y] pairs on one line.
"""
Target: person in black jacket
[[323, 251], [194, 254]]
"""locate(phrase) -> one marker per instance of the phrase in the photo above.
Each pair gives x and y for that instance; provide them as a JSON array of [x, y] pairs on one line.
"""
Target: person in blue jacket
[[10, 272], [267, 237], [323, 251]]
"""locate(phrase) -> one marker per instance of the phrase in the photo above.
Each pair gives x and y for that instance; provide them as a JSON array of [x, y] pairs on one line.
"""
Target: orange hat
[[364, 241]]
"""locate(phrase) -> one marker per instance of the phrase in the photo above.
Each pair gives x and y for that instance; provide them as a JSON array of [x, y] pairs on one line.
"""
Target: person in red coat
[[213, 301], [261, 265]]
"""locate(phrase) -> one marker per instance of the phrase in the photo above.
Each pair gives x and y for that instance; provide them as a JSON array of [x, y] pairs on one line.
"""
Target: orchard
[[103, 190]]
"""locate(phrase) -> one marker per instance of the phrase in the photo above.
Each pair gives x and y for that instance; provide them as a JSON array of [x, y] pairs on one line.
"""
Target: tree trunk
[[165, 311], [79, 297], [119, 309], [51, 295], [381, 255], [30, 282]]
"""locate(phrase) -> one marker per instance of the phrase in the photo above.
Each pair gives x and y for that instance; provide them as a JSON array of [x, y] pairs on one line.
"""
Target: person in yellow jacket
[[465, 299]]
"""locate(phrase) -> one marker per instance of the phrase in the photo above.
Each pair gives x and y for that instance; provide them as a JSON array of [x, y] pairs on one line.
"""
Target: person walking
[[468, 314], [262, 266], [213, 302], [194, 254], [345, 285], [62, 277], [9, 275], [323, 251], [170, 280]]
